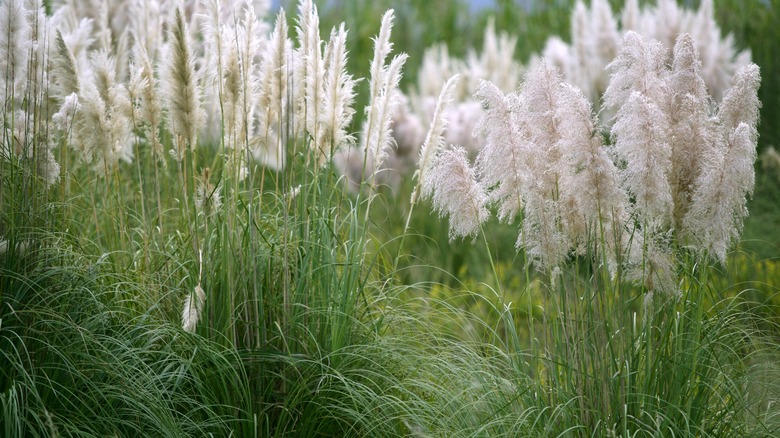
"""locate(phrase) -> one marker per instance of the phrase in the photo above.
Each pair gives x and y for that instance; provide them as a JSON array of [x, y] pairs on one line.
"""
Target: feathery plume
[[192, 309], [151, 110], [641, 144], [590, 192], [639, 66], [308, 68], [382, 47], [272, 97], [630, 18], [718, 206], [542, 237], [337, 110], [691, 129], [383, 98], [495, 63], [503, 162], [436, 67], [64, 70], [434, 140], [740, 104], [455, 193], [462, 119], [540, 96], [14, 49], [180, 83], [605, 40], [250, 45], [146, 25], [63, 118], [273, 73], [117, 105], [382, 139]]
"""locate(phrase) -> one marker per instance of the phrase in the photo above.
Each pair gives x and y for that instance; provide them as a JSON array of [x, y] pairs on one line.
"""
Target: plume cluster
[[23, 87], [115, 77], [676, 174], [364, 162], [596, 34], [418, 109], [209, 72]]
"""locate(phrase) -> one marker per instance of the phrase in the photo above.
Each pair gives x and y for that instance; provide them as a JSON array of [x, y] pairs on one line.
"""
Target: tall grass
[[235, 287]]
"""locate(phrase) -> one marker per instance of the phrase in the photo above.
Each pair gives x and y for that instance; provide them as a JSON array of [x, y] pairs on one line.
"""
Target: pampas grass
[[181, 90], [14, 49], [606, 319], [434, 140], [535, 161], [339, 96]]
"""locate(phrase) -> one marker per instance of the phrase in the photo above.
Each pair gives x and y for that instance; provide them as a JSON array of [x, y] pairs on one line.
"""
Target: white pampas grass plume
[[593, 202], [542, 236], [409, 134], [377, 89], [605, 39], [641, 145], [434, 140], [118, 107], [639, 66], [383, 99], [63, 118], [382, 48], [652, 264], [308, 68], [14, 49], [691, 127], [462, 119], [180, 85], [220, 67], [538, 101], [337, 110], [436, 67], [630, 18], [248, 45], [740, 104], [192, 309], [146, 25], [495, 63], [151, 108], [503, 162], [273, 74], [381, 139], [559, 54], [47, 166], [64, 70], [455, 192], [718, 206], [272, 99]]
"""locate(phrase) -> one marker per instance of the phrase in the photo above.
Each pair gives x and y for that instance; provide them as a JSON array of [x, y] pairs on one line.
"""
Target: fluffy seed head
[[192, 309], [434, 140], [455, 192], [180, 82]]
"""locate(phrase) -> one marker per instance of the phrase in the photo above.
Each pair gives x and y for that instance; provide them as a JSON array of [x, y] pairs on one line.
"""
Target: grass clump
[[181, 253]]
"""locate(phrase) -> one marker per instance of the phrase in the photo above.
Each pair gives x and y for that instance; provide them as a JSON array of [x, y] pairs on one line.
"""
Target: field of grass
[[182, 254]]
